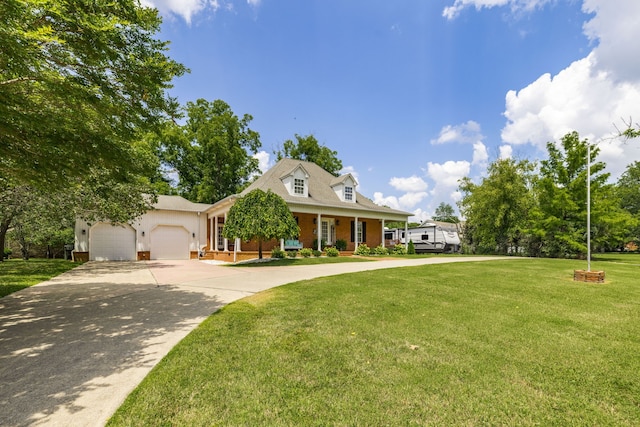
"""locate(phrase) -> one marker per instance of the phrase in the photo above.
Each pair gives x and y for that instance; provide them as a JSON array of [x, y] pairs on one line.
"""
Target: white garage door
[[112, 243], [169, 242]]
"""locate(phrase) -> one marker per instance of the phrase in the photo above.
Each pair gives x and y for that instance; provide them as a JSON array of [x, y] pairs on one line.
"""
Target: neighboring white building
[[174, 229]]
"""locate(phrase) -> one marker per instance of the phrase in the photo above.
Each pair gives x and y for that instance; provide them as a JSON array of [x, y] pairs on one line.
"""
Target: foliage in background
[[260, 216], [445, 213], [497, 209], [628, 190], [411, 249], [309, 149], [79, 80], [212, 152]]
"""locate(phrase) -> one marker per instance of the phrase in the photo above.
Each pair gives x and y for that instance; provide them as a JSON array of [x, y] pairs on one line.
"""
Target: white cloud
[[254, 3], [592, 95], [264, 160], [506, 151], [391, 201], [452, 12], [447, 174], [411, 184], [480, 154], [409, 200], [469, 132], [350, 169], [184, 8]]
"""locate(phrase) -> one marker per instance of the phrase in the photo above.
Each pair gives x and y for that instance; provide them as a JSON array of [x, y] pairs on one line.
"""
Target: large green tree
[[309, 149], [260, 216], [212, 152], [79, 80], [628, 190], [560, 220], [497, 209]]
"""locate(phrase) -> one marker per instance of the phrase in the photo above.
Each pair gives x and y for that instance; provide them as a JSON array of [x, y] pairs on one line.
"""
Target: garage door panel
[[112, 243], [169, 242]]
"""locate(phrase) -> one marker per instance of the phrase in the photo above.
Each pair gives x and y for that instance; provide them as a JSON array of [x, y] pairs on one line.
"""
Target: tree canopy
[[445, 213], [79, 80], [497, 209], [212, 152], [545, 214], [260, 216], [309, 149]]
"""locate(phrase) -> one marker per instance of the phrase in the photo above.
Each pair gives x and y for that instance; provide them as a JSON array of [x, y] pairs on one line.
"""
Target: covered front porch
[[318, 230]]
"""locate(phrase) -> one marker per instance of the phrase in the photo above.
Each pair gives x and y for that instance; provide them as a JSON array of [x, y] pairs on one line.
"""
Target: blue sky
[[416, 94]]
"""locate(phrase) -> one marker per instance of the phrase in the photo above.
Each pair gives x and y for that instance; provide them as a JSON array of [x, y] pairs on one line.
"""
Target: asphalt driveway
[[73, 348]]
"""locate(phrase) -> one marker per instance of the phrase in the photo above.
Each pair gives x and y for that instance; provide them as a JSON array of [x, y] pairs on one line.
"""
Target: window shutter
[[364, 232], [352, 232]]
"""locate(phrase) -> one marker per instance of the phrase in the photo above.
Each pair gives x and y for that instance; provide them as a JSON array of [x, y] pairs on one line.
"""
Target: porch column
[[319, 232], [226, 241], [237, 245], [406, 235], [355, 233], [215, 233], [282, 245], [383, 245], [211, 234]]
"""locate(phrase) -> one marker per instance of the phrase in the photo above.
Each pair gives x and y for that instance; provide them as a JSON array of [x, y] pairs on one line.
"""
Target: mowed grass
[[513, 342], [17, 274]]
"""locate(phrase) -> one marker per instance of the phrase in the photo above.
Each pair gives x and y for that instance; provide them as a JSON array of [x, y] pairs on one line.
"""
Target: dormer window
[[348, 194], [297, 182]]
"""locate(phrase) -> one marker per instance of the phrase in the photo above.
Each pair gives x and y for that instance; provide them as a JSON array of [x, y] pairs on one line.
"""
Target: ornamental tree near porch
[[262, 216]]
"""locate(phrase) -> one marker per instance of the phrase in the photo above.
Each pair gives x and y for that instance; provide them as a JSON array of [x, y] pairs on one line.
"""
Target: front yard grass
[[17, 274], [514, 342]]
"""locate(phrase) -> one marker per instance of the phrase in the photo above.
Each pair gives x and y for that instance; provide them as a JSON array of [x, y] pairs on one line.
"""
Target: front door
[[328, 231]]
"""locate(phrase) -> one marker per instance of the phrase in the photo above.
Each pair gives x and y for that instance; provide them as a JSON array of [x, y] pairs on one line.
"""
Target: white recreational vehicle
[[429, 237]]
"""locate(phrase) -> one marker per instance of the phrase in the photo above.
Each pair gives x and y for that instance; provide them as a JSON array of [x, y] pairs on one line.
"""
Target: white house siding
[[194, 226], [112, 242]]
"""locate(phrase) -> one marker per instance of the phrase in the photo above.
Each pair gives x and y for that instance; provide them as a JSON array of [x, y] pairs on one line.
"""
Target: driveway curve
[[74, 347]]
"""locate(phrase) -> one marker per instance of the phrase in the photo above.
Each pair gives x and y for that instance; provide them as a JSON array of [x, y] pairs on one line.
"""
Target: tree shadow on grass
[[63, 346]]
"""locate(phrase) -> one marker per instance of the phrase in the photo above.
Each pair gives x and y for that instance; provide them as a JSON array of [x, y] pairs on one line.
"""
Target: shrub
[[363, 249], [380, 250], [322, 244], [306, 252], [332, 252], [399, 249], [317, 253], [411, 250], [292, 254], [277, 253], [7, 253], [341, 245]]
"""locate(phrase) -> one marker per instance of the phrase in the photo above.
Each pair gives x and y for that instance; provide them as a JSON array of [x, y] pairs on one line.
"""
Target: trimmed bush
[[317, 253], [292, 254], [332, 252], [363, 250], [278, 253], [411, 250], [341, 245], [399, 249], [380, 250], [306, 252]]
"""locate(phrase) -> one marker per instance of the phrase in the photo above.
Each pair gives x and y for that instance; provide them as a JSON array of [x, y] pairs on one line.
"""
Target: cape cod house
[[326, 208]]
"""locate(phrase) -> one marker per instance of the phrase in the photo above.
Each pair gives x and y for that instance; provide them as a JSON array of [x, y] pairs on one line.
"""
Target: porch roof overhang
[[351, 211]]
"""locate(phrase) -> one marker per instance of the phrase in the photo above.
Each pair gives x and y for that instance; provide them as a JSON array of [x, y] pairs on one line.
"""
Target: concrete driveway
[[73, 348]]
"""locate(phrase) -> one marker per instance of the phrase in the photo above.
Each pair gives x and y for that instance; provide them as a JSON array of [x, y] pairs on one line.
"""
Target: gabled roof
[[178, 203], [341, 179], [321, 193]]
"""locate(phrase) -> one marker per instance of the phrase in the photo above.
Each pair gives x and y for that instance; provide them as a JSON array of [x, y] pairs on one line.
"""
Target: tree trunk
[[4, 227], [260, 249]]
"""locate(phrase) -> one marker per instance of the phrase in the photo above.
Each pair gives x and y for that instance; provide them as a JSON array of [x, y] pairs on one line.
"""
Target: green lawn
[[512, 342], [16, 274]]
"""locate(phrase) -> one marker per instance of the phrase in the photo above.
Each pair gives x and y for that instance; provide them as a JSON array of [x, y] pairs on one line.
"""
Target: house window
[[348, 193], [298, 186], [361, 231], [325, 232], [220, 238]]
